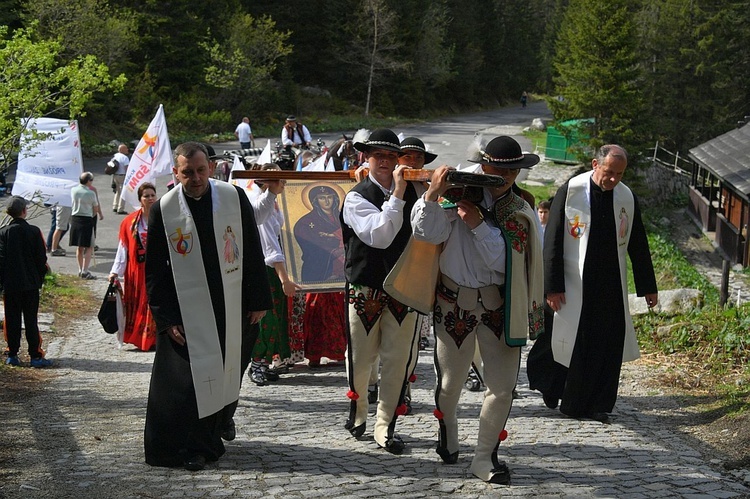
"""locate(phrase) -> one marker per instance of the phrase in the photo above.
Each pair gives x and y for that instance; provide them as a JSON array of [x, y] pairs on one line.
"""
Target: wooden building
[[720, 191]]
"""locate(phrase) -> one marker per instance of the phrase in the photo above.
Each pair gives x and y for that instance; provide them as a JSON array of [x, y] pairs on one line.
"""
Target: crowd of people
[[506, 271]]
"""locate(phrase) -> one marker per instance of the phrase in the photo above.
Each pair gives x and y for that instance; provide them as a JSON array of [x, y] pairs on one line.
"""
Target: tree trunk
[[372, 60]]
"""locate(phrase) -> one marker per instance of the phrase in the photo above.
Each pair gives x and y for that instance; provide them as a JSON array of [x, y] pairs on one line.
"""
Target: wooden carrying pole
[[454, 176]]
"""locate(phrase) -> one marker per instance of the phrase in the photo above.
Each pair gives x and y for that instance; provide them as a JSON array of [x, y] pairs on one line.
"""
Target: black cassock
[[173, 430], [590, 384]]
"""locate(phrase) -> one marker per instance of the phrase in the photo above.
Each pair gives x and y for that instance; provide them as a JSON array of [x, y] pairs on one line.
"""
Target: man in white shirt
[[375, 227], [490, 294], [121, 156], [244, 133], [295, 134]]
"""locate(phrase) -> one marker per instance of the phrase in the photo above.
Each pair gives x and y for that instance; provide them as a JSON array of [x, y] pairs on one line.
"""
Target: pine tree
[[598, 72]]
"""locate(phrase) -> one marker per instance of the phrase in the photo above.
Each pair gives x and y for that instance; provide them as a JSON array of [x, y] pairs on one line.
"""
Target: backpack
[[112, 166]]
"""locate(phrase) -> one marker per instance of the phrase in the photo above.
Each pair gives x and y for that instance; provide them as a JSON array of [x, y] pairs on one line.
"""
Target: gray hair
[[15, 206], [614, 150], [85, 178]]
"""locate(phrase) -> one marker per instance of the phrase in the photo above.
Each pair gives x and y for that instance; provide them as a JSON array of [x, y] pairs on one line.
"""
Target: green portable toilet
[[559, 147]]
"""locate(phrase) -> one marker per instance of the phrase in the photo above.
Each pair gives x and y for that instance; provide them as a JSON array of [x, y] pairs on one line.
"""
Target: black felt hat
[[211, 152], [415, 144], [503, 152], [382, 138]]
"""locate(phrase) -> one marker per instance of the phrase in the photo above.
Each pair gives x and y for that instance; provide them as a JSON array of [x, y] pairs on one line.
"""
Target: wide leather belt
[[491, 297]]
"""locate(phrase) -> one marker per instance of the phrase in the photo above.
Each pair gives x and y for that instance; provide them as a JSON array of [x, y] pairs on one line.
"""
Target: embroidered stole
[[575, 243], [216, 378]]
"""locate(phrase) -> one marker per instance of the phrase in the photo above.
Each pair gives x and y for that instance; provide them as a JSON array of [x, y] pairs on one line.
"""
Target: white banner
[[246, 184], [265, 156], [48, 168], [152, 158]]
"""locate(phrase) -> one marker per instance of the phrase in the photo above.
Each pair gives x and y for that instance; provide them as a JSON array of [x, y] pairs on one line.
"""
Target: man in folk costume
[[295, 134], [594, 222], [489, 294], [375, 225], [200, 300]]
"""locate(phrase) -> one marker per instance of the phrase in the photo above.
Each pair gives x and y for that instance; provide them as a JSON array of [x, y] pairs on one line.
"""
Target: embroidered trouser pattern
[[378, 326], [457, 333]]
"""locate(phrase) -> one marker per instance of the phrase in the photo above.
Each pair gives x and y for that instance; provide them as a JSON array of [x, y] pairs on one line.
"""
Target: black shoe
[[257, 377], [358, 431], [500, 475], [229, 432], [602, 417], [446, 456], [195, 463], [270, 375], [550, 401], [394, 445], [280, 369], [407, 403]]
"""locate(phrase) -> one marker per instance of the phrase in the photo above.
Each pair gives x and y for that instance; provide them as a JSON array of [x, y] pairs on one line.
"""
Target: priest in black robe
[[582, 373], [175, 435]]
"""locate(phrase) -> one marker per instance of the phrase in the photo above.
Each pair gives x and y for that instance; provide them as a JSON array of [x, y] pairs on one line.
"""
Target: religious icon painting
[[311, 236]]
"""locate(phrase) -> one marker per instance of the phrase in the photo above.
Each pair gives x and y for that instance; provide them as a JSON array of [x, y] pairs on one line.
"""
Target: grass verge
[[705, 350]]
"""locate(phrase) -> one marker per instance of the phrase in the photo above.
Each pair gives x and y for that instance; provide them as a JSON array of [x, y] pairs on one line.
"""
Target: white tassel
[[361, 135], [475, 150]]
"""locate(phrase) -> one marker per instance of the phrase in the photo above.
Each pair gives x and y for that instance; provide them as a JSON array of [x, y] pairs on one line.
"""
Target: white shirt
[[374, 227], [121, 257], [471, 258], [123, 161], [269, 231], [296, 139], [243, 132], [263, 206]]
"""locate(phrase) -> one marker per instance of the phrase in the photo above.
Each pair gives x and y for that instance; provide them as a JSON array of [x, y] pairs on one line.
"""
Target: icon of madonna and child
[[318, 234]]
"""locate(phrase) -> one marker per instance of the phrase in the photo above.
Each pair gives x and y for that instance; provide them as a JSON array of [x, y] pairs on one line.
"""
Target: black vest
[[367, 265]]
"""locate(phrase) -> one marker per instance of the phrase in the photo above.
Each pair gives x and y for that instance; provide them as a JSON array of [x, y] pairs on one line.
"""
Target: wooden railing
[[672, 160]]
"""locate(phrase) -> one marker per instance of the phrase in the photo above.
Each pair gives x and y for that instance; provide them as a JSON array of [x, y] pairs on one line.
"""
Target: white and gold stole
[[575, 245], [216, 379]]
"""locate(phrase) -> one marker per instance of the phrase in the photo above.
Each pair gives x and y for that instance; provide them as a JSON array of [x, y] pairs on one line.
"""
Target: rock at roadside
[[538, 124], [671, 302]]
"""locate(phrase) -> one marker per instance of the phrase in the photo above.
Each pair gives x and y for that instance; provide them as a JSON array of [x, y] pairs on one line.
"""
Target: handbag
[[108, 311], [112, 166]]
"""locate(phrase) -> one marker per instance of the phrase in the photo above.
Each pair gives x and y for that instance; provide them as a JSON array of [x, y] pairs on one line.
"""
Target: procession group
[[216, 285]]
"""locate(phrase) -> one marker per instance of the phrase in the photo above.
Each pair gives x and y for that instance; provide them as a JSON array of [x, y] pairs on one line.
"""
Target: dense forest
[[646, 70]]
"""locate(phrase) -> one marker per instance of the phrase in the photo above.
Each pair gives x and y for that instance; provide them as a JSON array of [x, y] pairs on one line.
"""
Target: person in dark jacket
[[23, 264]]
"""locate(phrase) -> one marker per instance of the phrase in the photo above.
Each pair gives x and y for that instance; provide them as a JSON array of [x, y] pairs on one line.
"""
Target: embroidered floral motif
[[495, 321], [368, 306], [398, 309], [536, 320], [504, 214], [517, 234], [459, 323]]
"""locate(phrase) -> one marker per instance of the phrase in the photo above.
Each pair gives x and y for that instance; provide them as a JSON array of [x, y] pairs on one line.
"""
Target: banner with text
[[49, 162]]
